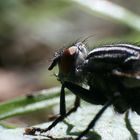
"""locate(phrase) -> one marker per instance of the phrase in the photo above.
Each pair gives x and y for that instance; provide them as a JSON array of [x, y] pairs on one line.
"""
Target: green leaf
[[110, 10], [33, 102], [110, 126]]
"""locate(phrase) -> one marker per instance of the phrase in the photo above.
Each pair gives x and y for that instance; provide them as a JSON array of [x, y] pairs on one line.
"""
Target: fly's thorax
[[109, 57]]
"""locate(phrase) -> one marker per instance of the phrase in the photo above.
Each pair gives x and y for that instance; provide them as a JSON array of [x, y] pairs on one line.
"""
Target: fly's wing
[[131, 83], [128, 79]]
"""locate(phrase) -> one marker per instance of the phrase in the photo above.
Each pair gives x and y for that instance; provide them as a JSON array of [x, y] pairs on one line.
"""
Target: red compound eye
[[72, 50], [67, 60]]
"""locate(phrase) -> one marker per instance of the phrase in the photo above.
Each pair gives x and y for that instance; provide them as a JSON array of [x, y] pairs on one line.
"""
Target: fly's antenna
[[86, 39]]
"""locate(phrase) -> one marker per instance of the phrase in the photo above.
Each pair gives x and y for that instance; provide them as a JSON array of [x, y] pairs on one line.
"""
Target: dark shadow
[[51, 138], [129, 127], [92, 135]]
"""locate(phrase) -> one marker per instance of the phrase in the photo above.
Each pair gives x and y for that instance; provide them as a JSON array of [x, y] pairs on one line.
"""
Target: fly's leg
[[89, 97], [62, 116], [62, 101], [85, 94], [93, 122], [80, 93]]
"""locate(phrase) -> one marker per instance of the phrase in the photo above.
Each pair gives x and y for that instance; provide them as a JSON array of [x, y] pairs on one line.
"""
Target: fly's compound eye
[[71, 51]]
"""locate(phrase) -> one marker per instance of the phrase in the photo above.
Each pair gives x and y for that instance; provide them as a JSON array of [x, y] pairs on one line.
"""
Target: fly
[[112, 73]]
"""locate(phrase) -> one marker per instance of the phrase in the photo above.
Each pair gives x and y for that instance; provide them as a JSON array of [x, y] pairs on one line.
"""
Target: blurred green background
[[32, 30]]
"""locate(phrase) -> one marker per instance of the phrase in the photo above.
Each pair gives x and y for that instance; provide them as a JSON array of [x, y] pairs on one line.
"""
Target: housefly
[[112, 73]]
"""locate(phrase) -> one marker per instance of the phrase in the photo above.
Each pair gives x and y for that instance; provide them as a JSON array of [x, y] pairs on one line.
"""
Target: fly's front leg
[[62, 110], [63, 113], [32, 131], [62, 101], [62, 116], [76, 105]]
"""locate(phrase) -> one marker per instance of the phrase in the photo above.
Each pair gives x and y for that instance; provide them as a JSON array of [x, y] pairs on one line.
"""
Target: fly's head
[[68, 60]]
